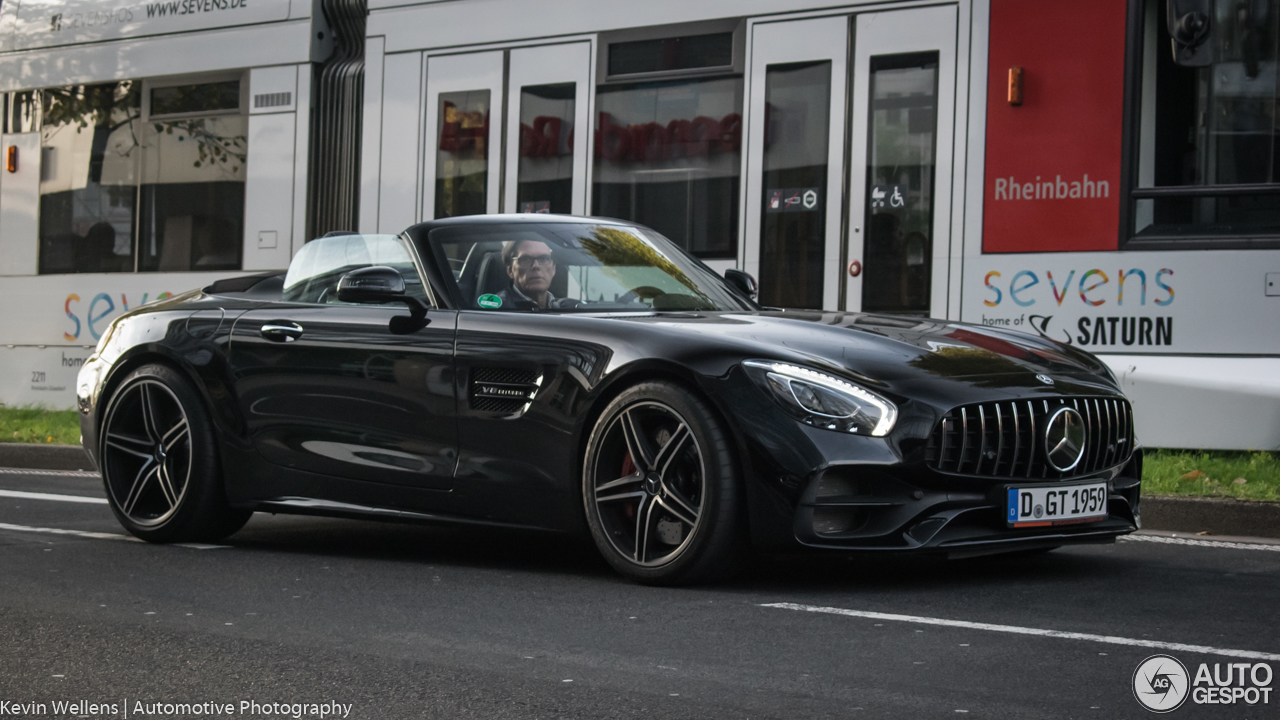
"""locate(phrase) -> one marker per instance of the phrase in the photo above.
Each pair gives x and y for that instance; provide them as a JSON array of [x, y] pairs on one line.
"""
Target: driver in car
[[531, 266]]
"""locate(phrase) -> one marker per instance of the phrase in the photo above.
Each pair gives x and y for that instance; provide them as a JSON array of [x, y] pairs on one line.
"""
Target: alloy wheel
[[146, 452], [649, 483]]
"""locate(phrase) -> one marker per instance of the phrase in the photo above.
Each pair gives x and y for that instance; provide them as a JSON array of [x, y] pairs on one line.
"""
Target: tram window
[[1209, 137], [793, 234], [462, 166], [21, 112], [120, 194], [201, 98], [544, 183], [193, 180], [671, 53], [669, 155], [90, 158], [900, 166]]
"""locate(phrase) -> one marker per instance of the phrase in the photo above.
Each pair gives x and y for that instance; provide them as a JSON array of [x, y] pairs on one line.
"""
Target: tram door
[[900, 161], [795, 146], [548, 125], [862, 224], [543, 94]]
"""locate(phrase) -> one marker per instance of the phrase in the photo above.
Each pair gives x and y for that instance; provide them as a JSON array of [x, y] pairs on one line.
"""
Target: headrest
[[492, 277]]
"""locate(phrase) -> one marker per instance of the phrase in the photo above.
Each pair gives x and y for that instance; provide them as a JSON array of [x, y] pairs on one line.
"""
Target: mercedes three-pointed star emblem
[[1064, 439]]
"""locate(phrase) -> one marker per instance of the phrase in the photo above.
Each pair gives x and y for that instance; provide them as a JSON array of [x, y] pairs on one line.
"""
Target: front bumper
[[899, 508], [814, 488]]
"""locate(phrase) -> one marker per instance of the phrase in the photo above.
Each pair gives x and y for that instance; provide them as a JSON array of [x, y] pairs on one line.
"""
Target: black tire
[[160, 463], [684, 494]]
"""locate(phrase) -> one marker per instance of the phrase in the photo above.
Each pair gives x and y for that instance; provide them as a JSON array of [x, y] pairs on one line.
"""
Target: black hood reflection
[[890, 348]]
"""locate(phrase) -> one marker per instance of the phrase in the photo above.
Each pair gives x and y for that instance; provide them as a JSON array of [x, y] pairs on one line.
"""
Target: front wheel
[[660, 489], [159, 461]]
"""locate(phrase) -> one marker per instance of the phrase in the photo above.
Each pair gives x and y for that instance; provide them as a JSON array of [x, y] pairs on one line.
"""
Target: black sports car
[[567, 374]]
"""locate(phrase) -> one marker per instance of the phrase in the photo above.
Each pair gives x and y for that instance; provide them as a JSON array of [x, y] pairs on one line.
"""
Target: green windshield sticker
[[489, 301]]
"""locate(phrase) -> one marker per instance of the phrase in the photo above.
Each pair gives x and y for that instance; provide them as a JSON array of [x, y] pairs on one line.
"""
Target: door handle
[[281, 331]]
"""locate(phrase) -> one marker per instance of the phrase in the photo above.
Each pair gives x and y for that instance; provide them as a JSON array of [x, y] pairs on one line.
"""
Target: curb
[[44, 457], [1214, 516]]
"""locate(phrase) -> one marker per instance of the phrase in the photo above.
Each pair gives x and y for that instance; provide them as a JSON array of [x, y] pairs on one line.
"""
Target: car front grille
[[1007, 439]]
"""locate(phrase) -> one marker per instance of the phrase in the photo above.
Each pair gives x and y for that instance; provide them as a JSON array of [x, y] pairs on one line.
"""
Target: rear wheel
[[159, 461], [661, 494]]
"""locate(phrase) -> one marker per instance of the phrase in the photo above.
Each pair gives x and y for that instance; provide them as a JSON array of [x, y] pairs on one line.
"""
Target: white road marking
[[1203, 649], [49, 496], [1200, 543], [63, 531], [101, 536], [63, 473]]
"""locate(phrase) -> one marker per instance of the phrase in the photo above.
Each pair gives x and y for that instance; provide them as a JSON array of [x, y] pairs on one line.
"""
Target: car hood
[[897, 350]]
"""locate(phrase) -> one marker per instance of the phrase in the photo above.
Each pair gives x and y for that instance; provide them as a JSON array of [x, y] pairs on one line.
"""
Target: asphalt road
[[400, 621]]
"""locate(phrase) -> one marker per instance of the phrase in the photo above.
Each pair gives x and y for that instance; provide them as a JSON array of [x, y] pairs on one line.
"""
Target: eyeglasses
[[527, 261]]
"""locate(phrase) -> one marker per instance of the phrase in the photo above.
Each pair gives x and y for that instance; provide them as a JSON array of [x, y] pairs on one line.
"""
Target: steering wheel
[[644, 292]]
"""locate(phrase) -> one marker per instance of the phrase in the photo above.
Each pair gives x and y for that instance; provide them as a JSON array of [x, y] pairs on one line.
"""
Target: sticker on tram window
[[792, 200]]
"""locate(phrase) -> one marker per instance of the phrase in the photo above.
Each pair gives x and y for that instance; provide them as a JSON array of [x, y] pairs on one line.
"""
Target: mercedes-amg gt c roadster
[[586, 375]]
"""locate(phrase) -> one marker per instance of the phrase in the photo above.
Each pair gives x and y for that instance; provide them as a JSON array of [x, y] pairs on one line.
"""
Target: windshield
[[575, 267], [315, 271]]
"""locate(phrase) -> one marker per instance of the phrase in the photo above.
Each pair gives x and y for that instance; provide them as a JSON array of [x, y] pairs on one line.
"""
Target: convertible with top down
[[609, 384]]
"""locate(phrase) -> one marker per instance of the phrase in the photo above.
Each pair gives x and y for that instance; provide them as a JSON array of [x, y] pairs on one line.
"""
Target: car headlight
[[826, 401]]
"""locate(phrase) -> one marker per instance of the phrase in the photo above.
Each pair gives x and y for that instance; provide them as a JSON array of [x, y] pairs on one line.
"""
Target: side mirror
[[371, 285], [742, 282], [379, 284]]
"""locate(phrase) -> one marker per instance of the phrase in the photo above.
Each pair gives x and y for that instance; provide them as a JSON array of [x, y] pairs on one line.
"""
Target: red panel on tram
[[1053, 161]]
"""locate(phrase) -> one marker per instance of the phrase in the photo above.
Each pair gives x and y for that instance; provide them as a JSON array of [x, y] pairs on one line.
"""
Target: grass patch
[[1212, 473], [37, 425]]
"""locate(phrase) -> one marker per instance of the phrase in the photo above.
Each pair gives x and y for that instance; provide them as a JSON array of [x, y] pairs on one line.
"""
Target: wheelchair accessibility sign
[[880, 197]]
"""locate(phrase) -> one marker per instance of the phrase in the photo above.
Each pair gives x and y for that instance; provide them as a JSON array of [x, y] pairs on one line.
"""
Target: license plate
[[1056, 504]]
